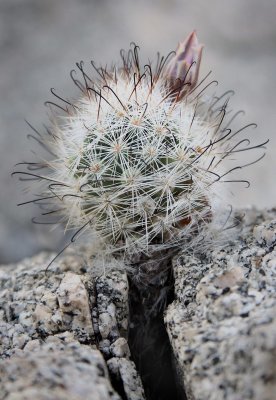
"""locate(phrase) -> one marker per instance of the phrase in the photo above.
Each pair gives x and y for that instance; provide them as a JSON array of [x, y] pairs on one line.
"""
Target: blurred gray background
[[40, 40]]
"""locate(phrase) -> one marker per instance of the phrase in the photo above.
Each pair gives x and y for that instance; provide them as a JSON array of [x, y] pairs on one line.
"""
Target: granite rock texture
[[222, 324], [60, 368], [62, 332]]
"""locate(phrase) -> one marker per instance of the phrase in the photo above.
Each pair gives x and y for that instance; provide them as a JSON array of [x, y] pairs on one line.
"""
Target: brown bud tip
[[181, 73]]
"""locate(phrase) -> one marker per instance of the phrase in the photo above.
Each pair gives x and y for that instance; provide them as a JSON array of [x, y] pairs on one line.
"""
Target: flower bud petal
[[181, 73]]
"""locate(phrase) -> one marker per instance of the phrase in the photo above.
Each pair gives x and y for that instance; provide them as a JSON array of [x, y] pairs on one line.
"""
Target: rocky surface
[[60, 368], [222, 324], [62, 332]]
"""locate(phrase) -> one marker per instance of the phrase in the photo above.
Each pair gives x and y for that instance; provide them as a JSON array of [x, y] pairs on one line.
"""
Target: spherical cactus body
[[138, 160]]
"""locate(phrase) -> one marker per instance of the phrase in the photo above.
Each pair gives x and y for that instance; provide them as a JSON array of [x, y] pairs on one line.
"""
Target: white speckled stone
[[222, 325], [56, 370], [73, 300], [54, 327], [120, 348], [125, 370]]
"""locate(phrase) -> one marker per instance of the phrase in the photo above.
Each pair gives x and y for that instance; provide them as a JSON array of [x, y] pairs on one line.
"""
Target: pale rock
[[56, 370], [107, 322], [265, 234], [120, 348], [74, 305], [125, 370], [50, 331], [222, 324]]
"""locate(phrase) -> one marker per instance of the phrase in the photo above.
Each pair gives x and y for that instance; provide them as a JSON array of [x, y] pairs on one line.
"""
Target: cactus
[[138, 160]]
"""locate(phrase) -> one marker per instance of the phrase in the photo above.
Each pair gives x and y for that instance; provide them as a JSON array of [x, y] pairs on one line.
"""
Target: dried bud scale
[[137, 161]]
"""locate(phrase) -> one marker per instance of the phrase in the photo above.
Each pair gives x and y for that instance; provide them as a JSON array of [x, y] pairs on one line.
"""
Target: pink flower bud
[[181, 73]]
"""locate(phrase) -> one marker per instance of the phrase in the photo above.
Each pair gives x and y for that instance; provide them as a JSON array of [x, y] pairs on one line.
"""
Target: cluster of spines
[[156, 186]]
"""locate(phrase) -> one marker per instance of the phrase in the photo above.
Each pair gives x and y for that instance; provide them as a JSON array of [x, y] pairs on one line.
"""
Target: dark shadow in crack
[[148, 339]]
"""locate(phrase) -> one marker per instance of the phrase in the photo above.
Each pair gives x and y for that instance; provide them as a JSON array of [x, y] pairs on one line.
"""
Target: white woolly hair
[[134, 164]]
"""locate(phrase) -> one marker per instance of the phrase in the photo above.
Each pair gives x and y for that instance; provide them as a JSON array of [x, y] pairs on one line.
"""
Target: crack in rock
[[49, 347]]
